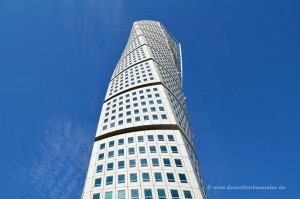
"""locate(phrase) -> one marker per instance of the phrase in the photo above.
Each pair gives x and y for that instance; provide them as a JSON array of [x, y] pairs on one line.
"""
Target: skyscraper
[[143, 147]]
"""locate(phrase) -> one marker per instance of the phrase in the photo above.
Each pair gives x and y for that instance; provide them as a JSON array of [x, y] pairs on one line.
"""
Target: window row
[[140, 138], [141, 104], [155, 162], [135, 111], [141, 150], [136, 119], [145, 177]]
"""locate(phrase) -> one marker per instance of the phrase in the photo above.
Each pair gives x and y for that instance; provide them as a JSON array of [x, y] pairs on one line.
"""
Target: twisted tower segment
[[144, 146]]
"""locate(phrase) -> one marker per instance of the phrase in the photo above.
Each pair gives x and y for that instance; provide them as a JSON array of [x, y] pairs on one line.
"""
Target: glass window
[[146, 117], [170, 177], [174, 194], [110, 166], [120, 122], [112, 124], [158, 177], [137, 119], [128, 120], [178, 163], [111, 143], [164, 116], [133, 177], [132, 163], [155, 162], [108, 195], [97, 182], [96, 196], [109, 180], [144, 162], [121, 178], [120, 152], [159, 102], [130, 140], [182, 178], [160, 138], [174, 149], [111, 154], [154, 117], [102, 146], [131, 150], [128, 113], [151, 102], [135, 194], [150, 138], [146, 177], [144, 110], [161, 194], [153, 109], [121, 141], [140, 138], [187, 194], [99, 168], [121, 164], [148, 194], [136, 111], [120, 115], [121, 194], [142, 149], [101, 156], [163, 149], [171, 137], [152, 149], [104, 127], [161, 108], [167, 162]]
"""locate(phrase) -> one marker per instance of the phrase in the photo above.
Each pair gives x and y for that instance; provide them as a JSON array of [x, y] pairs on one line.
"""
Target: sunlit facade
[[143, 147]]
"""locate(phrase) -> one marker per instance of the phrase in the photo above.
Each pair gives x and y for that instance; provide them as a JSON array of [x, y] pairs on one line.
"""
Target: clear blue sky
[[241, 77]]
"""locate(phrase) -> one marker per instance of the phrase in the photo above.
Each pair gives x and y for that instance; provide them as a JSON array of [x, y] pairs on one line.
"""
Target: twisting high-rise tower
[[143, 147]]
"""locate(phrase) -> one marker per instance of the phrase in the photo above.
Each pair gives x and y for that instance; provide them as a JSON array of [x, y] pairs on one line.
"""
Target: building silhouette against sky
[[143, 147]]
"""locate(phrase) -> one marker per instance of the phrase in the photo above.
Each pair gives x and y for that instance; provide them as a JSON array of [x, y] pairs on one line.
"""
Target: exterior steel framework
[[144, 145]]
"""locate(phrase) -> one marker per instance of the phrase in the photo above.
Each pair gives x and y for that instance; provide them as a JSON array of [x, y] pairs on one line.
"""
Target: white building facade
[[143, 147]]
